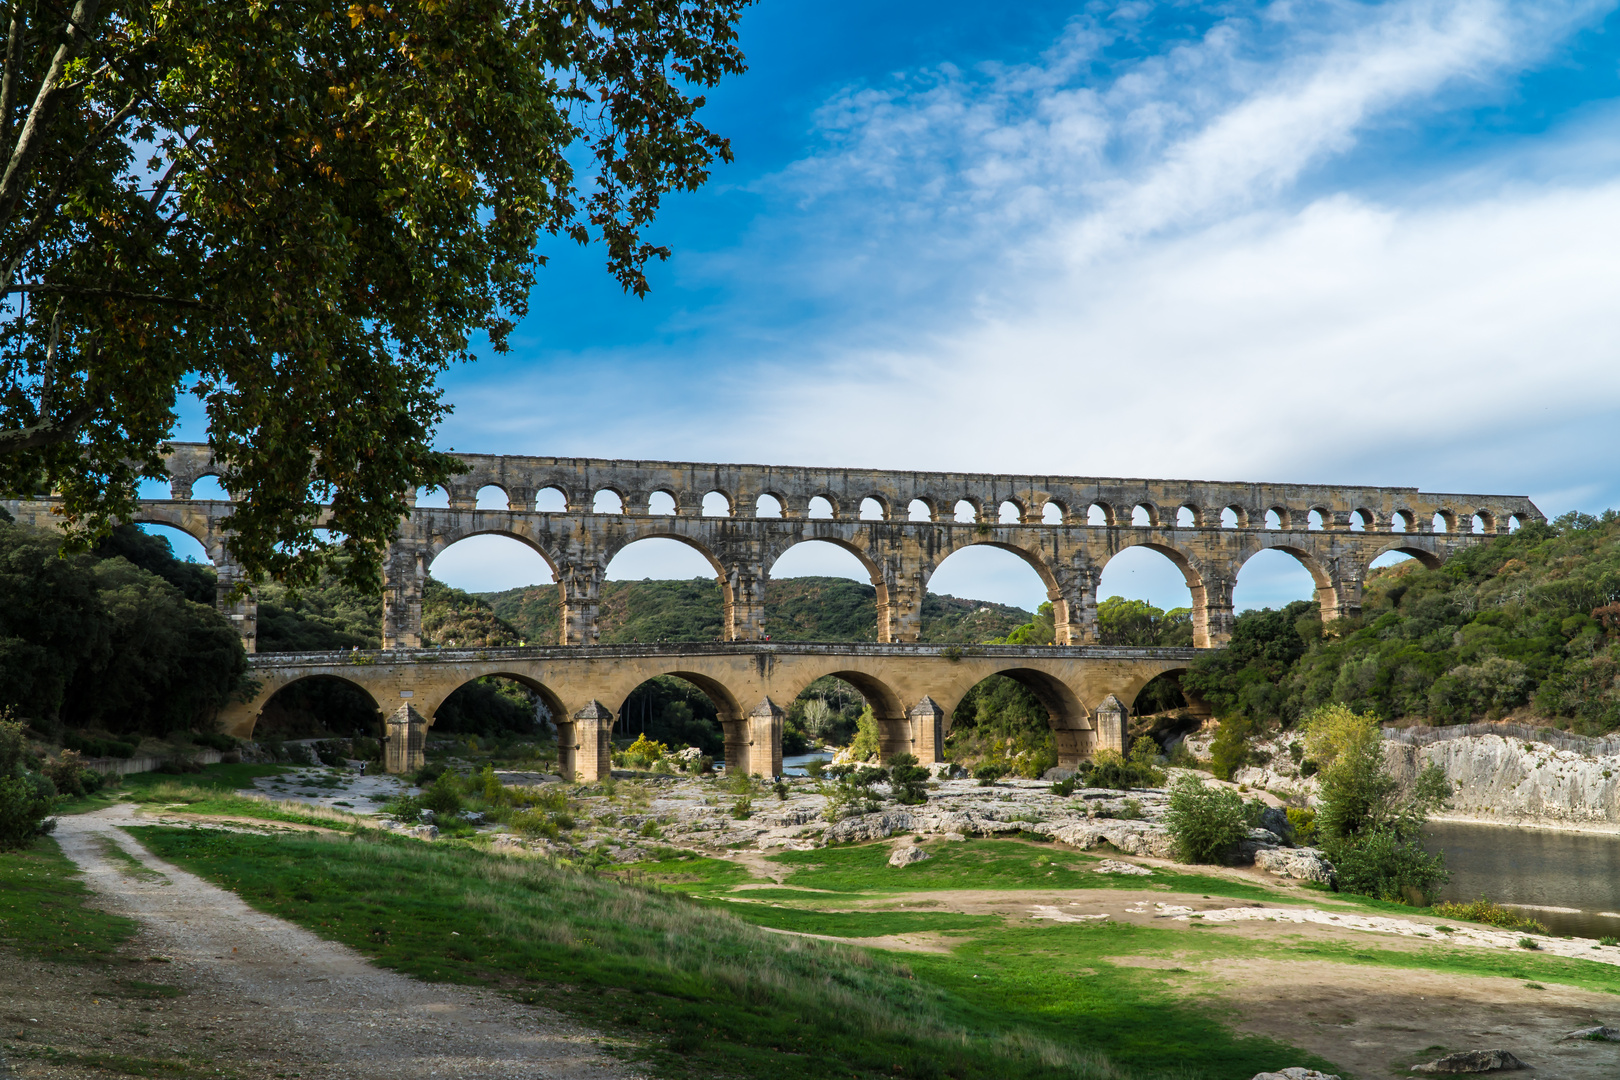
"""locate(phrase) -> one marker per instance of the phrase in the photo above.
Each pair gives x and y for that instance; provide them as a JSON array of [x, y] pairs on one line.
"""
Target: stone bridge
[[911, 688], [578, 513]]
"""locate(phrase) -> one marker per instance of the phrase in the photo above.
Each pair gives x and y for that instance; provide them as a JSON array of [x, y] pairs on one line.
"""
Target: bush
[[1110, 770], [93, 747], [25, 797], [69, 776], [213, 740], [1494, 914], [644, 753], [1230, 750], [1303, 821], [1205, 822], [406, 808], [987, 775], [1065, 787], [442, 797], [909, 780], [866, 743], [331, 753], [1387, 864]]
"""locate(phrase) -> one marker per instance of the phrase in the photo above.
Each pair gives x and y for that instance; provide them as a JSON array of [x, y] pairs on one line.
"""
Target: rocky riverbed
[[628, 817]]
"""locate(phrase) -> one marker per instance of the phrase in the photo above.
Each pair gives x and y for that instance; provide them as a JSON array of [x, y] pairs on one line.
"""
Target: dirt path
[[320, 1007]]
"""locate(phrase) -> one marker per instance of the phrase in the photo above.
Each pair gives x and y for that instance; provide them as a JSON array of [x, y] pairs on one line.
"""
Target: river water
[[1570, 881]]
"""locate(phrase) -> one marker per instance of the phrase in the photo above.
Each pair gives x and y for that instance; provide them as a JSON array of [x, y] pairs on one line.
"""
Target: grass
[[128, 864], [1490, 913], [703, 993], [988, 864], [121, 1064], [213, 801], [224, 778], [43, 909]]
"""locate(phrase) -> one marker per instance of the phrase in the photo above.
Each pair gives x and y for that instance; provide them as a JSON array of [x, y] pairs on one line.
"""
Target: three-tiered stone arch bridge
[[900, 525]]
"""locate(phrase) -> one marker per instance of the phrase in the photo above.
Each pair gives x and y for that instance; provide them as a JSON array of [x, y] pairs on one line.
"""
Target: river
[[1570, 881]]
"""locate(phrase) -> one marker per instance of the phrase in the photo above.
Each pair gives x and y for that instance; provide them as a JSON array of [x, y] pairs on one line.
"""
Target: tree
[[1371, 829], [300, 211], [25, 796]]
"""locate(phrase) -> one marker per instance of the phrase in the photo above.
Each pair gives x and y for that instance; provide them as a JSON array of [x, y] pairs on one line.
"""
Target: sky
[[1332, 242]]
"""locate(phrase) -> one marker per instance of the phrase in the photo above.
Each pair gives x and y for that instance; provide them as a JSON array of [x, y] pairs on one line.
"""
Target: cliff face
[[1508, 780]]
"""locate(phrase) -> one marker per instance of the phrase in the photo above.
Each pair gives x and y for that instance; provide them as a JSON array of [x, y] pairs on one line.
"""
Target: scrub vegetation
[[1527, 625]]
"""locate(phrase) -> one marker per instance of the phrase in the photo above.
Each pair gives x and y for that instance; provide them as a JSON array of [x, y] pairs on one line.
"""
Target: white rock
[[1114, 866], [907, 854], [423, 832], [870, 826], [1305, 864], [1297, 1072]]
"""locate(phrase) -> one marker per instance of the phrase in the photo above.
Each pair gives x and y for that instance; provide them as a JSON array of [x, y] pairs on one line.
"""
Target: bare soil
[[254, 996]]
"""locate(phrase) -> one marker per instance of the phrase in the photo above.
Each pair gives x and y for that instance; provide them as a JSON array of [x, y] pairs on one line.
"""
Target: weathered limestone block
[[1303, 864], [404, 747], [906, 854]]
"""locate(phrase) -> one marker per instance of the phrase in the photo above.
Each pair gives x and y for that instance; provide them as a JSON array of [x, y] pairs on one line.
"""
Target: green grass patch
[[1521, 965], [213, 777], [127, 864], [212, 801], [854, 924], [700, 990], [987, 864], [122, 1064], [45, 911]]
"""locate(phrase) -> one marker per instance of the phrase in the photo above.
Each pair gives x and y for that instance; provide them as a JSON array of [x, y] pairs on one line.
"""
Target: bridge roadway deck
[[913, 689]]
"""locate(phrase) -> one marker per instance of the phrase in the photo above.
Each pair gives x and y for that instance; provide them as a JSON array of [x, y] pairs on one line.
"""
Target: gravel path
[[326, 1004]]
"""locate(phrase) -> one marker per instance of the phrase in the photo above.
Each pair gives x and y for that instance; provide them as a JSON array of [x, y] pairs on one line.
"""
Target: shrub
[[534, 823], [1131, 811], [866, 743], [1110, 770], [331, 753], [1493, 914], [214, 740], [743, 808], [427, 774], [1230, 750], [987, 775], [442, 797], [643, 753], [1205, 822], [1303, 821], [1065, 787], [70, 777], [1528, 943], [1383, 862], [406, 808], [815, 769], [910, 780]]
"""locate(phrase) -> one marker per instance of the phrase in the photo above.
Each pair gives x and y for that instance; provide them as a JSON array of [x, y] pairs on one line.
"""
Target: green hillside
[[1527, 625], [796, 609]]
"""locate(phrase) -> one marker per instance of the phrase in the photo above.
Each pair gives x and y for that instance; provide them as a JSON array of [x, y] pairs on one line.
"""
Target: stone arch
[[655, 508], [1444, 521], [1486, 521], [1102, 510], [499, 489], [761, 510], [882, 503], [617, 495], [1068, 717], [1239, 517], [874, 571], [722, 506], [1211, 612], [1363, 517], [832, 506], [1429, 559], [1318, 513], [1195, 516], [1327, 594], [929, 508], [545, 496], [975, 506], [240, 722], [208, 474], [438, 545], [1149, 511], [211, 542], [1054, 512], [1020, 510], [554, 704], [1403, 517]]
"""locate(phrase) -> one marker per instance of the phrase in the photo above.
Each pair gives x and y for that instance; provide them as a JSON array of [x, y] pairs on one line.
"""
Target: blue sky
[[1335, 242]]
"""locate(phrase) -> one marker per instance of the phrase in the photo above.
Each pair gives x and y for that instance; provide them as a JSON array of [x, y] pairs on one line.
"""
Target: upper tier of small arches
[[558, 485]]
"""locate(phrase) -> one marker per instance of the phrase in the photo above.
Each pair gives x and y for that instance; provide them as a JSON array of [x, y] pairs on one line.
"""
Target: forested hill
[[335, 616], [1527, 625], [796, 609]]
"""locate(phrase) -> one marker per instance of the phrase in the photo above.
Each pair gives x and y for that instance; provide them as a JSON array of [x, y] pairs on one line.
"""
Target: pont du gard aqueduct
[[900, 525]]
